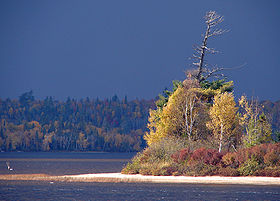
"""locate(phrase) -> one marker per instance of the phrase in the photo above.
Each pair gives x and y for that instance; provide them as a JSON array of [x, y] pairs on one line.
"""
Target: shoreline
[[125, 178]]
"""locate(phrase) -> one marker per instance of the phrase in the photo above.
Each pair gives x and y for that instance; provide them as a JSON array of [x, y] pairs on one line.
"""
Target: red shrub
[[207, 156], [184, 154], [175, 157], [274, 147], [272, 158], [242, 156], [181, 156], [264, 153]]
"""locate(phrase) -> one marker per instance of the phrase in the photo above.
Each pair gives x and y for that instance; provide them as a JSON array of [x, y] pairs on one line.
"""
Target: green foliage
[[163, 98], [210, 89], [217, 85], [255, 123], [133, 167], [164, 149], [249, 167], [276, 136]]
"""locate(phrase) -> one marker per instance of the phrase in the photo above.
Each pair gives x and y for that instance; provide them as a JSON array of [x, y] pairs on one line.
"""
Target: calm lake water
[[83, 163]]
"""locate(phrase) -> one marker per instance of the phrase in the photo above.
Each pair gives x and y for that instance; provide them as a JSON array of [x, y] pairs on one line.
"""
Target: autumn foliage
[[111, 124], [260, 160]]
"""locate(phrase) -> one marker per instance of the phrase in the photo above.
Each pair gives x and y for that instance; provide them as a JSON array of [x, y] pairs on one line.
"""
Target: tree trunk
[[221, 138]]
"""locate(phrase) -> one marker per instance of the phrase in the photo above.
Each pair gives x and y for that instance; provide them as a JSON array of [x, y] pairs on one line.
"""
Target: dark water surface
[[63, 163], [83, 163]]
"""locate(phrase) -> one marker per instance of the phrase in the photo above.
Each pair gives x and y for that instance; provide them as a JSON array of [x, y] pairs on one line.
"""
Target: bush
[[201, 169], [145, 170], [249, 167], [268, 172], [228, 171], [272, 158], [131, 168], [134, 166], [169, 158], [207, 156], [163, 150], [181, 156], [229, 159]]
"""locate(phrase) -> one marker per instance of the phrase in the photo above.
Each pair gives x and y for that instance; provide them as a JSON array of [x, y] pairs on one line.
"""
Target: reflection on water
[[83, 163]]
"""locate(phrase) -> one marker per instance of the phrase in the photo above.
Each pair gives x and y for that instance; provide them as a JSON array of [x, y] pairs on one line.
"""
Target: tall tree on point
[[202, 72]]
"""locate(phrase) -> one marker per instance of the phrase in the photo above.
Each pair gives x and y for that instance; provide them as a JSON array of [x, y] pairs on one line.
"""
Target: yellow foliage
[[171, 119], [153, 135], [223, 117]]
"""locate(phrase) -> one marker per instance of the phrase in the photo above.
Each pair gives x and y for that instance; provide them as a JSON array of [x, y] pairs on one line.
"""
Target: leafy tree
[[163, 98], [223, 117], [255, 123], [179, 117]]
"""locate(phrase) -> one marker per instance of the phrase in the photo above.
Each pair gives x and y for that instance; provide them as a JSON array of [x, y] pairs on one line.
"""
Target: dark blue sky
[[135, 48]]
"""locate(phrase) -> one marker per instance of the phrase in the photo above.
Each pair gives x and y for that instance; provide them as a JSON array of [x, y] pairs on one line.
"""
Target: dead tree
[[202, 72]]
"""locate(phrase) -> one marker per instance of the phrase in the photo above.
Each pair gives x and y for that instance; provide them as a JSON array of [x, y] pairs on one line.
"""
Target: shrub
[[228, 171], [166, 158], [249, 167], [131, 168], [163, 150], [145, 170], [166, 171], [258, 152], [207, 156], [241, 156], [134, 166], [229, 159], [201, 169], [268, 172], [272, 158], [181, 156]]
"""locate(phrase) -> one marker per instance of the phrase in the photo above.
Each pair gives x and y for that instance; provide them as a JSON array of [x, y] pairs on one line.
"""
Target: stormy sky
[[98, 48]]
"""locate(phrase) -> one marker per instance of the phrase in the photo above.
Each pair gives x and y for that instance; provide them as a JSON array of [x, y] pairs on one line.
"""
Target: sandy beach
[[118, 177]]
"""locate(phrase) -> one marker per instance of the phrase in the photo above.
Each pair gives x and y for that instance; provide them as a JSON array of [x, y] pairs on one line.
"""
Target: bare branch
[[213, 72], [212, 19], [211, 50]]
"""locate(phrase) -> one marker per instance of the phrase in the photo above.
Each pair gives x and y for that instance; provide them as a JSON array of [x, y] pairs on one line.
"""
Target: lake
[[91, 162]]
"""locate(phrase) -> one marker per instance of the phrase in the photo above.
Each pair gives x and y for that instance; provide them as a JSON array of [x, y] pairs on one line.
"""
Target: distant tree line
[[27, 124], [111, 124]]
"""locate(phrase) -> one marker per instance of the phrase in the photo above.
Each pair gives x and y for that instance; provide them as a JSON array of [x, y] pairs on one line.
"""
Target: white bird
[[8, 166]]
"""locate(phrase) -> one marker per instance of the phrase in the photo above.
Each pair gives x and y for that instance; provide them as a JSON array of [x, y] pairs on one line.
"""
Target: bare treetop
[[202, 70]]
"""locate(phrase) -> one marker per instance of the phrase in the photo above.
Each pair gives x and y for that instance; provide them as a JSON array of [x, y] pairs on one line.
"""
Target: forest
[[111, 124]]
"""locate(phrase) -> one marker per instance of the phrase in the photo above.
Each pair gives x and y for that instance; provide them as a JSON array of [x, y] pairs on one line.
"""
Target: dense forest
[[112, 124]]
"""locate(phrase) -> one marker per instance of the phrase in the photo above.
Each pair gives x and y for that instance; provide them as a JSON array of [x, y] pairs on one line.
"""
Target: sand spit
[[118, 177]]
